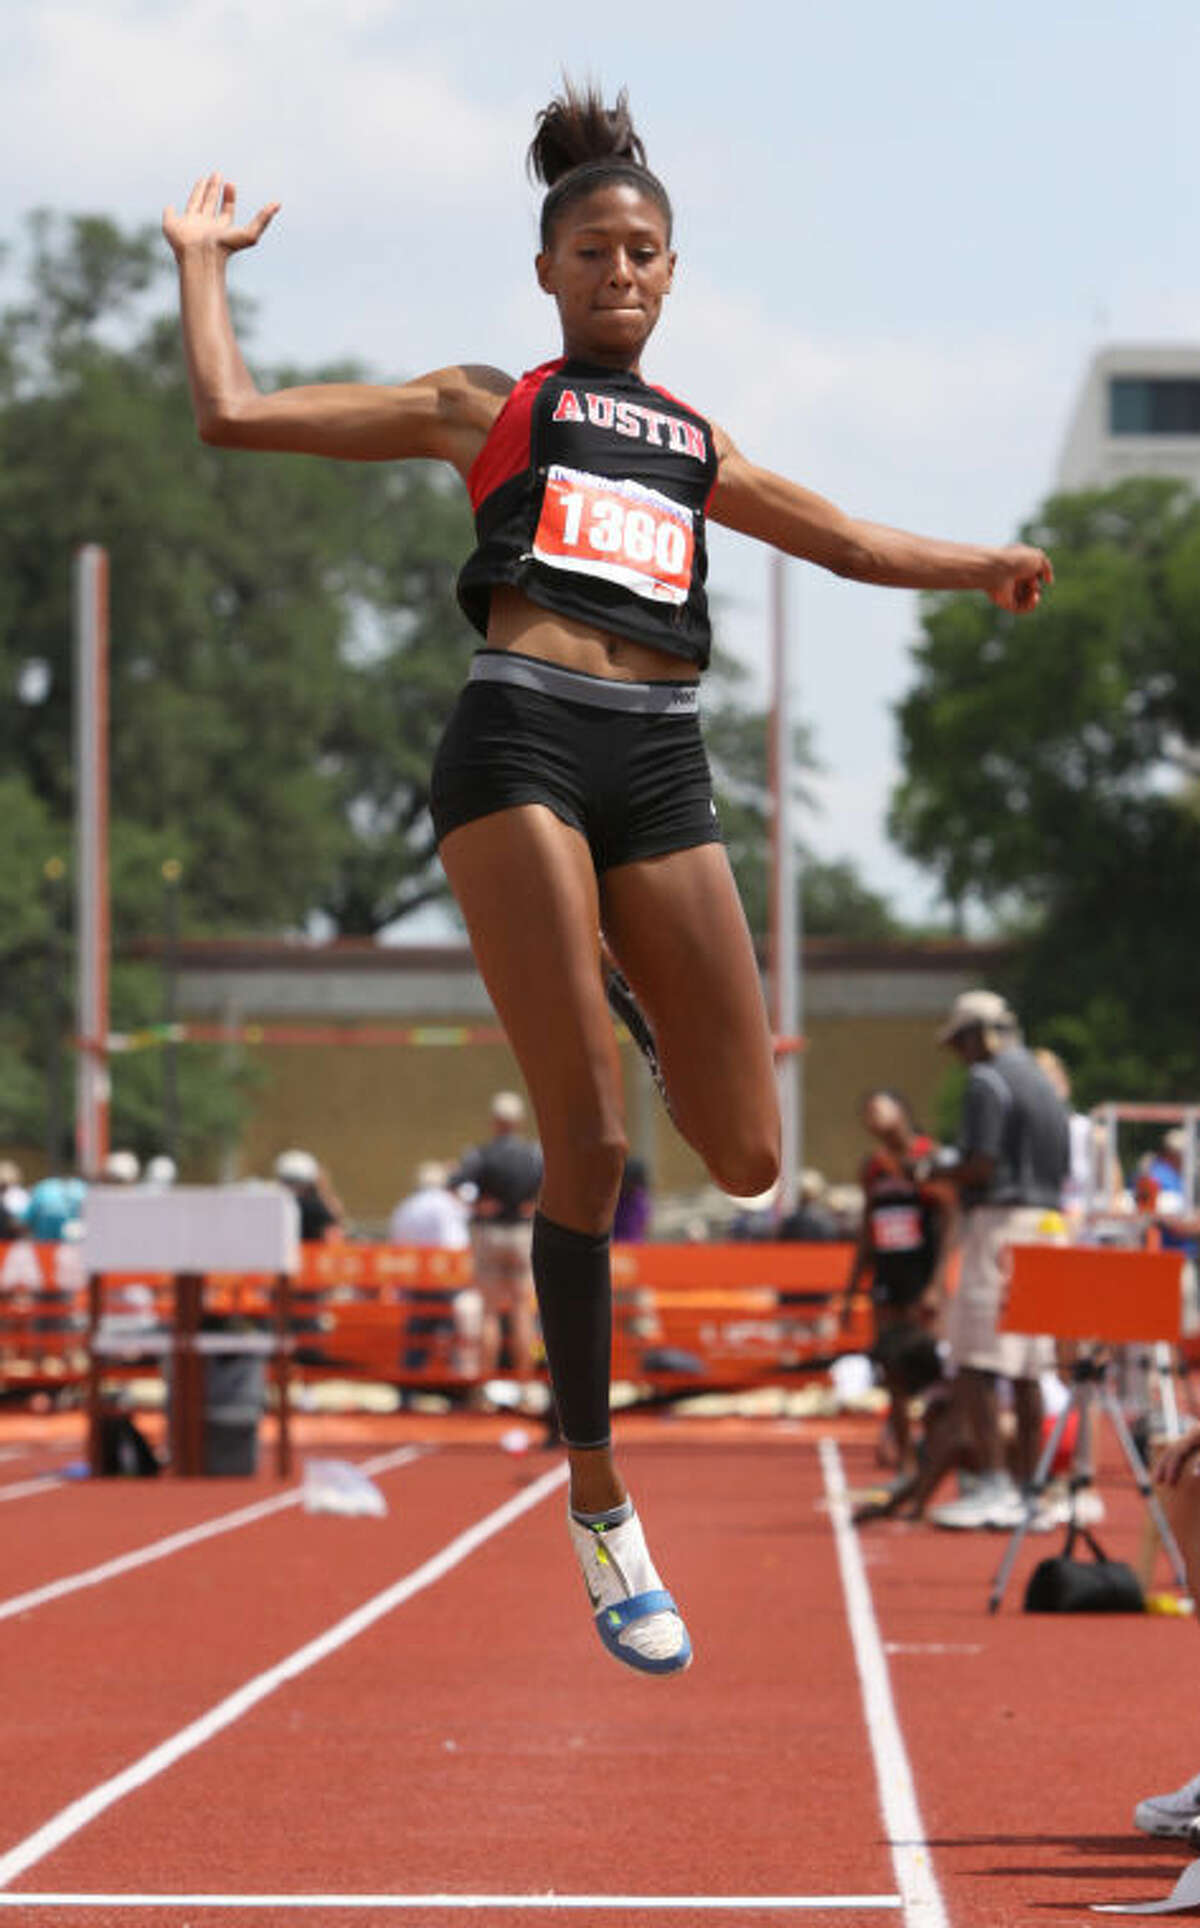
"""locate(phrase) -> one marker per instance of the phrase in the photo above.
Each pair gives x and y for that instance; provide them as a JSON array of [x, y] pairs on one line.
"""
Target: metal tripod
[[1089, 1386]]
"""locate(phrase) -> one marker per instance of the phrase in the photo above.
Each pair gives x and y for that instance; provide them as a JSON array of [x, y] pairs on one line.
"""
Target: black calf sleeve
[[574, 1293]]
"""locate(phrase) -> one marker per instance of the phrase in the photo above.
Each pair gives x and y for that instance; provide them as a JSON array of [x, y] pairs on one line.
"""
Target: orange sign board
[[1098, 1292]]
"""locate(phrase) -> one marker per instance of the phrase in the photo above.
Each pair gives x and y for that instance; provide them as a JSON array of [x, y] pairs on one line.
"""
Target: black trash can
[[235, 1396]]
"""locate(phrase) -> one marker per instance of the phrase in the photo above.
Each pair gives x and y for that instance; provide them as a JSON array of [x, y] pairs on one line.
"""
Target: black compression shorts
[[622, 763]]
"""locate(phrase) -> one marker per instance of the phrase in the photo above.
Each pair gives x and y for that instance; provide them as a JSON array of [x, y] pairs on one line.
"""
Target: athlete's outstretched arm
[[759, 503], [445, 415]]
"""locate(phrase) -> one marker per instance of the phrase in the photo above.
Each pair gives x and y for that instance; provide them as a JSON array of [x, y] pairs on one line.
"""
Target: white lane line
[[635, 1903], [919, 1892], [179, 1542], [78, 1814], [22, 1489]]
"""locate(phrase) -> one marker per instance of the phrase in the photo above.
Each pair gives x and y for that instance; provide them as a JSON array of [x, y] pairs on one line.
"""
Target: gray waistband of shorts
[[551, 679]]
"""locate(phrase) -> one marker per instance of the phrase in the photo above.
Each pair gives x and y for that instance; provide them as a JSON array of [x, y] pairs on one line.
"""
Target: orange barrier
[[685, 1316], [1104, 1293]]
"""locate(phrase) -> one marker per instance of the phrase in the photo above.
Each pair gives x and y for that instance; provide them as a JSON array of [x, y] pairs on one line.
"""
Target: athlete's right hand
[[209, 219]]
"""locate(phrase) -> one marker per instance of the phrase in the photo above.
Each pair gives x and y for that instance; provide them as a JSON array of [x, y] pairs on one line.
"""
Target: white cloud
[[113, 98]]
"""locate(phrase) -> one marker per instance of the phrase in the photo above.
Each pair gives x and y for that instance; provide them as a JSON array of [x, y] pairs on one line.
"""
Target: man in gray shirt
[[1014, 1154]]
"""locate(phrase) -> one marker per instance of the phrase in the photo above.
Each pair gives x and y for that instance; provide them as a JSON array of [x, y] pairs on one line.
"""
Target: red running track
[[475, 1740]]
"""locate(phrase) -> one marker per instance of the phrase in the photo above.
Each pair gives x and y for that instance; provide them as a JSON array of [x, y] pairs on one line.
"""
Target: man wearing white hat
[[506, 1176], [1013, 1158], [320, 1208]]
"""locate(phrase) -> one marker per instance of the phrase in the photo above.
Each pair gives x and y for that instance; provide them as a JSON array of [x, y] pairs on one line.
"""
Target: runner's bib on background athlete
[[610, 527], [896, 1228]]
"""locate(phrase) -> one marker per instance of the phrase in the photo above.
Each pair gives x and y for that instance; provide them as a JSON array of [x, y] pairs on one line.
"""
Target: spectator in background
[[1165, 1168], [320, 1208], [903, 1245], [1013, 1160], [754, 1217], [431, 1214], [1081, 1187], [160, 1173], [55, 1210], [631, 1222], [120, 1168], [810, 1221], [847, 1204], [14, 1200], [506, 1174], [1160, 1191]]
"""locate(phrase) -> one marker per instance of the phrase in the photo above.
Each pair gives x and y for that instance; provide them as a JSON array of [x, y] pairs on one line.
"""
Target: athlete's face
[[883, 1118], [608, 266]]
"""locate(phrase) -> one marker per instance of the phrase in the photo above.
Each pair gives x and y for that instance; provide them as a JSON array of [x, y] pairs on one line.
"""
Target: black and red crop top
[[589, 497]]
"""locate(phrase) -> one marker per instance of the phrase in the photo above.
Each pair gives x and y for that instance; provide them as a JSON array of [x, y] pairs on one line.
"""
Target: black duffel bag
[[1098, 1585]]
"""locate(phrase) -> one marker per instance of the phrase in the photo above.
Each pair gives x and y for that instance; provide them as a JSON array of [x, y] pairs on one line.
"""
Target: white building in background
[[1138, 413]]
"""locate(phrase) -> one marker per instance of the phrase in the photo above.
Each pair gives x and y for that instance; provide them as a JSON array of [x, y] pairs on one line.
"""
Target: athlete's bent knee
[[747, 1170]]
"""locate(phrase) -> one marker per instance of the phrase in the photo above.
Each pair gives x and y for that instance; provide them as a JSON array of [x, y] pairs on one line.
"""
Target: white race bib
[[609, 527]]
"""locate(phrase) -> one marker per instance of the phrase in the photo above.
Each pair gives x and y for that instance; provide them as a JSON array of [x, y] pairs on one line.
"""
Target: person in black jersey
[[571, 794], [902, 1246]]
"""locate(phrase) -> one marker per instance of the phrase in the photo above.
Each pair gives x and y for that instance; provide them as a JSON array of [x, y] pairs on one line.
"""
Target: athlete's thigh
[[525, 884], [677, 928]]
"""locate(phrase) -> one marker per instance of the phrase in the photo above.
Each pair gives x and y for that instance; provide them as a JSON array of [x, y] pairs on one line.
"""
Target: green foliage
[[836, 903], [1051, 768], [948, 1104], [32, 892], [214, 1086], [286, 765], [834, 900]]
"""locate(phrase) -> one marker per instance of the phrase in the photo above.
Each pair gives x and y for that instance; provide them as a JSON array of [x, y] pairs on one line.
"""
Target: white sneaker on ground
[[994, 1502], [1009, 1507], [1056, 1507], [1089, 1507], [1170, 1815], [636, 1617]]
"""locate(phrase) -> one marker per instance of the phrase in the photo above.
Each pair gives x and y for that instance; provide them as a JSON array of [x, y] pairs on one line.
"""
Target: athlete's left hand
[[1021, 575]]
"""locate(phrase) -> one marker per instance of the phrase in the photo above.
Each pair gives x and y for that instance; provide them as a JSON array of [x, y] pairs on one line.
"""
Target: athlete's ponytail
[[579, 144]]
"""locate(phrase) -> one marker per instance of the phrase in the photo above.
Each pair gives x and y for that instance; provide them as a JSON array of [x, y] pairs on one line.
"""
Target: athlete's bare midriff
[[516, 623]]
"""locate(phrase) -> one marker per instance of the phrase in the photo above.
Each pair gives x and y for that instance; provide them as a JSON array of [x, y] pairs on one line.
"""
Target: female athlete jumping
[[571, 795]]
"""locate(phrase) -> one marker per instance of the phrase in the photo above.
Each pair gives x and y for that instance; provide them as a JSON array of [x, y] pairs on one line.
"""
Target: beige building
[[370, 1110], [1136, 413]]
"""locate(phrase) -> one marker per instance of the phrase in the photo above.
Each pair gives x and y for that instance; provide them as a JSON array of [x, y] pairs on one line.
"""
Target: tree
[[1051, 768], [285, 634]]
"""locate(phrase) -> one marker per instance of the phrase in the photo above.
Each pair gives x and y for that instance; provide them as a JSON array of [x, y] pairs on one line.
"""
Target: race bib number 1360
[[609, 527]]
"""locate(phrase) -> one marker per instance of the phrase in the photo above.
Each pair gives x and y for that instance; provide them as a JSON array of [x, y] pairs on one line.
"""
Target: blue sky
[[902, 233]]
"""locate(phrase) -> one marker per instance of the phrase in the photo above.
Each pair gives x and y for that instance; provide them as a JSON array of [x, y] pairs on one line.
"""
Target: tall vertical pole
[[172, 870], [54, 873], [90, 597], [785, 903]]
